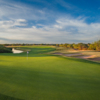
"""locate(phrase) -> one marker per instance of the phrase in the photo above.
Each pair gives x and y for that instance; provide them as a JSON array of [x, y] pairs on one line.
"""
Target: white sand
[[16, 51]]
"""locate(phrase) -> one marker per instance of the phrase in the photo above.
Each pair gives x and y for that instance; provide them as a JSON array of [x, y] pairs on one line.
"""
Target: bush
[[5, 50]]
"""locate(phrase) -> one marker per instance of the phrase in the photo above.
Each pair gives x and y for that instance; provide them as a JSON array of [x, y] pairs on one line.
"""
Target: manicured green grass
[[47, 77]]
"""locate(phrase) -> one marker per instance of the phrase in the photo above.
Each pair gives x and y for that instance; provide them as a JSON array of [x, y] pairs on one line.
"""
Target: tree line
[[79, 46], [82, 46]]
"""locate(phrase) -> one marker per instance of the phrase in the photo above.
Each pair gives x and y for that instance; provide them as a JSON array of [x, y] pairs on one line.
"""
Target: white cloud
[[14, 26], [64, 30], [12, 23]]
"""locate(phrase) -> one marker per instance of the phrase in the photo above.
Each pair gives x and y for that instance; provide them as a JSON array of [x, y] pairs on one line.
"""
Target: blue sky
[[49, 21]]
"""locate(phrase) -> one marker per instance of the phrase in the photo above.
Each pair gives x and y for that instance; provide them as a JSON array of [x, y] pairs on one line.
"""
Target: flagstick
[[27, 56]]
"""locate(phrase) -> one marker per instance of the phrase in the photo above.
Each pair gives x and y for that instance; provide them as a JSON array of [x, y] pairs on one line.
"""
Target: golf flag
[[27, 52]]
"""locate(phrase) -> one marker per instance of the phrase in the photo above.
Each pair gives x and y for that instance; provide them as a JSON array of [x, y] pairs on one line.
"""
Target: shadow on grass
[[5, 97]]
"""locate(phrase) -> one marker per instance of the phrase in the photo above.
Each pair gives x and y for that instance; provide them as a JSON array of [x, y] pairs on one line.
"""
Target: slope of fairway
[[47, 77]]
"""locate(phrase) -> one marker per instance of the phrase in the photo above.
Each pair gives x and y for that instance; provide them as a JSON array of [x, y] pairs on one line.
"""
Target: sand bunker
[[16, 51], [86, 56], [78, 55], [74, 54]]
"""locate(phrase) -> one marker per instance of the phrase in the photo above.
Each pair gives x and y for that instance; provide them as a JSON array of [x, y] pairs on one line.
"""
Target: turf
[[47, 77]]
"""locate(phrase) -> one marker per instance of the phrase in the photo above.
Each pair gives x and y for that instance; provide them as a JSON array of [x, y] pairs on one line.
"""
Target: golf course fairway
[[43, 76]]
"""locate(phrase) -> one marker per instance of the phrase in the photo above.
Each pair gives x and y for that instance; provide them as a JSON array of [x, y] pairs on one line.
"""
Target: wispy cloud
[[9, 10], [65, 4], [64, 30], [12, 23]]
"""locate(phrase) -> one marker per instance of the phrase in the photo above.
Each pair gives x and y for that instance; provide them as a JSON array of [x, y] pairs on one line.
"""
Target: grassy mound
[[5, 50]]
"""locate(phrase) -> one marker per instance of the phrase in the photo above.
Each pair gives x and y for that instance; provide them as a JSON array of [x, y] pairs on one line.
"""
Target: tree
[[97, 45]]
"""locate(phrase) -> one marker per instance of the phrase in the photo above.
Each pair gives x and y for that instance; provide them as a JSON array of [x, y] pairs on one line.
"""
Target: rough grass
[[48, 77]]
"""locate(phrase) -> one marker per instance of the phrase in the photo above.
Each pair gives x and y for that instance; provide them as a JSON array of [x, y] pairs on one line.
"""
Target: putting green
[[47, 77]]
